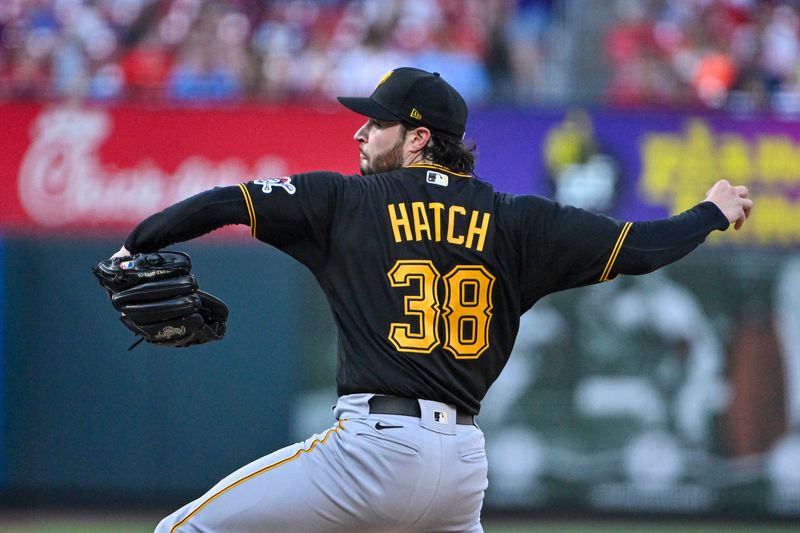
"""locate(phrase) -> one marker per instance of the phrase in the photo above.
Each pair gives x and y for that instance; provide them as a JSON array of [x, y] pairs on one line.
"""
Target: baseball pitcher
[[427, 270]]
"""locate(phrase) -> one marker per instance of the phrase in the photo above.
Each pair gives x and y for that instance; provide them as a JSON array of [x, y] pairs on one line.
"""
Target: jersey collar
[[440, 168]]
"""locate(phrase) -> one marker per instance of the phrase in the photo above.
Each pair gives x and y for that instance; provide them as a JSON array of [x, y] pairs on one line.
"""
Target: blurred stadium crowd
[[739, 53], [743, 53]]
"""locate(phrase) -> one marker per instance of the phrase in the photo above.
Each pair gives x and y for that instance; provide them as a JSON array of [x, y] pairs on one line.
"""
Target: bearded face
[[381, 146]]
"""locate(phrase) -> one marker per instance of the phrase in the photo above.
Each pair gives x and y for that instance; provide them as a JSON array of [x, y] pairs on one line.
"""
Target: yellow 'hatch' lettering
[[433, 221]]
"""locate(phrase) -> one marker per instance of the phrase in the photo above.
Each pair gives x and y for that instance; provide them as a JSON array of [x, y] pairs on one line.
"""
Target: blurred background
[[673, 397]]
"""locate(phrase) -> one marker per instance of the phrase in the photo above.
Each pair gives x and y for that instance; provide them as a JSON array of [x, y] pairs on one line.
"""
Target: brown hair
[[448, 152]]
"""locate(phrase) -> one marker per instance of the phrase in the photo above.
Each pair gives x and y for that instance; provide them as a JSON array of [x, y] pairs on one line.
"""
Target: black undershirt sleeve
[[189, 218], [652, 244]]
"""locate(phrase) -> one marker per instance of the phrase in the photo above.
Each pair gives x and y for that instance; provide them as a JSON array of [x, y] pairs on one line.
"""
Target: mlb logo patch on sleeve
[[285, 183], [437, 178]]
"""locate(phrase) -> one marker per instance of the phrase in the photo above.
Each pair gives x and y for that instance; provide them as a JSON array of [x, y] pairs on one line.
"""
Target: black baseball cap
[[416, 97]]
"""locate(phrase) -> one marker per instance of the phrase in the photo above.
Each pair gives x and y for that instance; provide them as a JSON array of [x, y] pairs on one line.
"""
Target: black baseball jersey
[[427, 271]]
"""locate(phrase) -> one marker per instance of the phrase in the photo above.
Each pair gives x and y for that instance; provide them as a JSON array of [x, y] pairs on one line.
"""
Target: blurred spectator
[[525, 30], [146, 65], [211, 63]]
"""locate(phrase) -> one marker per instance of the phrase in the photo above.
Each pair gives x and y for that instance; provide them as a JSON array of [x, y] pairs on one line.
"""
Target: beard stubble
[[391, 159]]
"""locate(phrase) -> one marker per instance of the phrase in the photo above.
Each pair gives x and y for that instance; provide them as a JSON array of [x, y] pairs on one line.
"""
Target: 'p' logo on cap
[[384, 78]]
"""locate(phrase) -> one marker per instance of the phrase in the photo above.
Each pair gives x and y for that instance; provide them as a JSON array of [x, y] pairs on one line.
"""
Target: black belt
[[396, 405]]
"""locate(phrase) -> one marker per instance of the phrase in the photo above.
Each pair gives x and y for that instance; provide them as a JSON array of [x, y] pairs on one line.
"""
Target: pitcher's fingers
[[718, 184]]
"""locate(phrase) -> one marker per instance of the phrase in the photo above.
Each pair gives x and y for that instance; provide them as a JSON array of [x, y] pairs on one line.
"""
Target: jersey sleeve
[[567, 247], [187, 219], [293, 213]]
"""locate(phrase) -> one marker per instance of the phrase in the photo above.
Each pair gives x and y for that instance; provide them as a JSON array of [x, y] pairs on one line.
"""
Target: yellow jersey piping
[[250, 209], [615, 252], [438, 167], [258, 473]]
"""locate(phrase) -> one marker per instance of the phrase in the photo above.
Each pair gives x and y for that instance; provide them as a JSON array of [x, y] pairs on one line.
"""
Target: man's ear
[[418, 138]]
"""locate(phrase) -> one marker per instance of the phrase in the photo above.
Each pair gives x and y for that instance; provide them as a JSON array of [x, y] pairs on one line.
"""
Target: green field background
[[15, 523]]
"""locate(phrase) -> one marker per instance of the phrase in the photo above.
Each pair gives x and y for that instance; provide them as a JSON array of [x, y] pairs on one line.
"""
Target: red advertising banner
[[68, 167]]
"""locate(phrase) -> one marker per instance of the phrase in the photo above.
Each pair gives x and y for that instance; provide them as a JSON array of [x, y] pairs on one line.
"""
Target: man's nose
[[361, 134]]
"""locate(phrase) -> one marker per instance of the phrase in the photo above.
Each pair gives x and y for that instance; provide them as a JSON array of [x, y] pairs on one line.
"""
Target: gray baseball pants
[[368, 473]]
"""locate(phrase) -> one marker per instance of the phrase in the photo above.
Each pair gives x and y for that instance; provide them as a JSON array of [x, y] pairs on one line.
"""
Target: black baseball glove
[[159, 299]]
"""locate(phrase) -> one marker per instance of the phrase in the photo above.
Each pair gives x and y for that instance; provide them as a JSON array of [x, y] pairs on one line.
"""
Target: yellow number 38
[[467, 309]]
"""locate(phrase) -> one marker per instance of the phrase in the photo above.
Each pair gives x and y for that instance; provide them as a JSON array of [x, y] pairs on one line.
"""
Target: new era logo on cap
[[415, 96]]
